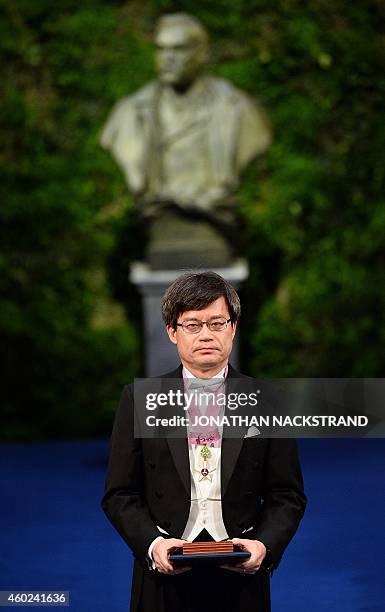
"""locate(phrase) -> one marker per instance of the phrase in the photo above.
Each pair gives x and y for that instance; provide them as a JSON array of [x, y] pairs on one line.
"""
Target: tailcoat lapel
[[176, 437], [231, 445]]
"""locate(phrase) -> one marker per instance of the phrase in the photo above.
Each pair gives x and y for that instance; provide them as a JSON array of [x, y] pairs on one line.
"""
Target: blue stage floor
[[55, 536]]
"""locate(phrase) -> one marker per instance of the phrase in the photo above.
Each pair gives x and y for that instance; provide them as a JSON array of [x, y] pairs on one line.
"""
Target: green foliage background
[[314, 206]]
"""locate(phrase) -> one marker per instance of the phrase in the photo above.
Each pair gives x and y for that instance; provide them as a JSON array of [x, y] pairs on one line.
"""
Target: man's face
[[178, 58], [206, 350]]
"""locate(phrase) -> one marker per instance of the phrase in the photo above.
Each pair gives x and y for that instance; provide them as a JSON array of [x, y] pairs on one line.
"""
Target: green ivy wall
[[314, 206]]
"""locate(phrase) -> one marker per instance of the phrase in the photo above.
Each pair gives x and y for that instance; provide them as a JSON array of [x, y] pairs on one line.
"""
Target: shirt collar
[[222, 374]]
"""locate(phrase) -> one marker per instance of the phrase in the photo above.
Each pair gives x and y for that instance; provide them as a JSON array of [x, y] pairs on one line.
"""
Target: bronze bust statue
[[182, 142]]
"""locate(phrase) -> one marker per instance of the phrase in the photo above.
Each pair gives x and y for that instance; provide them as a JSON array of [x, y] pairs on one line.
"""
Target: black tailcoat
[[148, 485]]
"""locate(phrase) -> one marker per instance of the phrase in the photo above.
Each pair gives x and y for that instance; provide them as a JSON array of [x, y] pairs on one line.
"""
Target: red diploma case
[[211, 553]]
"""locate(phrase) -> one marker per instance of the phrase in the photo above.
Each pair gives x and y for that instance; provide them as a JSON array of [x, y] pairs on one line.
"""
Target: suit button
[[152, 465], [240, 523], [256, 463], [167, 524], [248, 493], [159, 494]]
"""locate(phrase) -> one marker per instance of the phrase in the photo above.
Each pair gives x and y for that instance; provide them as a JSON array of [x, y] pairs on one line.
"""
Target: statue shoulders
[[228, 93], [255, 134], [142, 97], [145, 94]]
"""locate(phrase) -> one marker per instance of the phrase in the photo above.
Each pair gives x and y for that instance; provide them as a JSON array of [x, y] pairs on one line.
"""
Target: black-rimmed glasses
[[194, 327]]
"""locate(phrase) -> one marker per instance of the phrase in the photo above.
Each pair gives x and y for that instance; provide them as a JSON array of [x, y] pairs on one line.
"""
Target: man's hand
[[160, 554], [252, 564]]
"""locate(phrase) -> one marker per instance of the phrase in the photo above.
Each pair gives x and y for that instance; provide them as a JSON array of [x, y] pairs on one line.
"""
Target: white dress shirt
[[206, 499]]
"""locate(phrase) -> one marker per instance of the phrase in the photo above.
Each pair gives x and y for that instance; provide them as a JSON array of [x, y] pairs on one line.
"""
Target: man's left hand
[[252, 564]]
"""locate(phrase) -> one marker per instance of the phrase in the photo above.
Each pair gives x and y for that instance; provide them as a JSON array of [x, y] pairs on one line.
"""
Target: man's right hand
[[160, 554]]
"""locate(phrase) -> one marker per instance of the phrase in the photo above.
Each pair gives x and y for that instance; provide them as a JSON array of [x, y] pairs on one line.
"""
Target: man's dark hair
[[195, 291]]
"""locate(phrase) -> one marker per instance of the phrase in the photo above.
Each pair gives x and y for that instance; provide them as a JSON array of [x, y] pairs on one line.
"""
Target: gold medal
[[205, 454]]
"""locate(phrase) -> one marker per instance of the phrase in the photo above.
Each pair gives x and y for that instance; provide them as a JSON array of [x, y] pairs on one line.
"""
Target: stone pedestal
[[188, 239], [161, 355]]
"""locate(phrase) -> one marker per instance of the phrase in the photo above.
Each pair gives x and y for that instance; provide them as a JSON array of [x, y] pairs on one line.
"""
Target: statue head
[[182, 49]]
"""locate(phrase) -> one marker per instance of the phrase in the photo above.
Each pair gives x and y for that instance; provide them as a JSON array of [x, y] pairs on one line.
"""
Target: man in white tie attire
[[207, 484]]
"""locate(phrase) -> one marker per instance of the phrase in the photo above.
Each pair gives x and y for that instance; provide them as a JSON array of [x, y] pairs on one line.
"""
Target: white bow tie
[[210, 384]]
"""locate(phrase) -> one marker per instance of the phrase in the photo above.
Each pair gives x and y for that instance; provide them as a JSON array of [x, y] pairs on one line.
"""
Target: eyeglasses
[[194, 327]]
